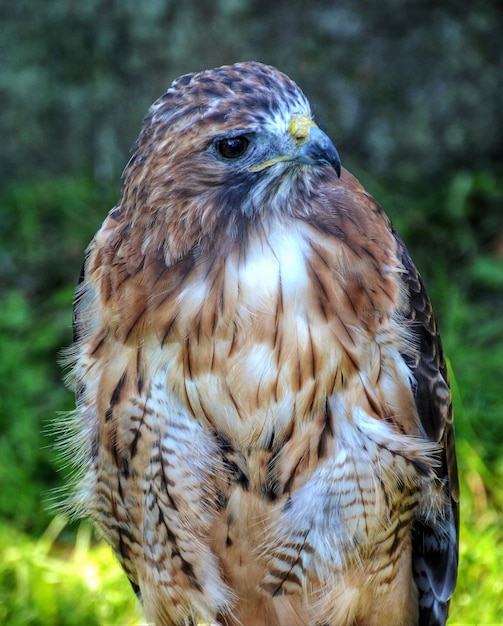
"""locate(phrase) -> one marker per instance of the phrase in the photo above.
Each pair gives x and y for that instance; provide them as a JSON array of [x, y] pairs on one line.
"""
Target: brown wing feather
[[435, 544]]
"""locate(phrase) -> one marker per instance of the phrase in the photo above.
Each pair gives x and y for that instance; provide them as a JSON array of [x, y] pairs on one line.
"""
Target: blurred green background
[[411, 91]]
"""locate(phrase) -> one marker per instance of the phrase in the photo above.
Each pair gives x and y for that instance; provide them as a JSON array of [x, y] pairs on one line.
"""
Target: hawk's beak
[[314, 146]]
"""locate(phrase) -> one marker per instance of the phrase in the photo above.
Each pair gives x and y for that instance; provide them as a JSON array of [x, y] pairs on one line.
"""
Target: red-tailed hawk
[[264, 418]]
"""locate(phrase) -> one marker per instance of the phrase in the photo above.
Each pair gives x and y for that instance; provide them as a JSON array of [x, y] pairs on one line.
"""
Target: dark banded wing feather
[[435, 541]]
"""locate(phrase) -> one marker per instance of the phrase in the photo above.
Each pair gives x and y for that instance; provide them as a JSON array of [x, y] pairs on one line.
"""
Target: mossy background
[[411, 93]]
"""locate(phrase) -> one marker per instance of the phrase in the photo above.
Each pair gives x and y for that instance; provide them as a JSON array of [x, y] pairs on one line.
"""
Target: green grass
[[479, 593], [45, 582]]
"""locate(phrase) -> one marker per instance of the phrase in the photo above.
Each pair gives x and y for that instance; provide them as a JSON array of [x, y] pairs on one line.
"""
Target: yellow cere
[[299, 128]]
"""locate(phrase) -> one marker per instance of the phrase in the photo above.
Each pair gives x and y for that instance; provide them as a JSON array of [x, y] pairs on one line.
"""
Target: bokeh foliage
[[411, 93], [411, 89]]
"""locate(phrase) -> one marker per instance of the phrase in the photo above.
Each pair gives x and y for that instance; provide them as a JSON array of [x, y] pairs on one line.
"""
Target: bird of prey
[[263, 425]]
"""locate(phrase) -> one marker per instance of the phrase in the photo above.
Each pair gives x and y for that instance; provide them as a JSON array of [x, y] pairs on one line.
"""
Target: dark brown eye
[[233, 147]]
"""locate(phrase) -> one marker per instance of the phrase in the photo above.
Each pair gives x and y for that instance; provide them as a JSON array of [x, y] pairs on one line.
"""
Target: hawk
[[263, 425]]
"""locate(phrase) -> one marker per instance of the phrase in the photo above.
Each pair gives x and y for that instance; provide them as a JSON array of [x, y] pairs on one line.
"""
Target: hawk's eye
[[233, 147]]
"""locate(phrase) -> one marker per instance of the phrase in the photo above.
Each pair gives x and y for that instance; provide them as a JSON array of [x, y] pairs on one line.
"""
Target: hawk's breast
[[263, 335]]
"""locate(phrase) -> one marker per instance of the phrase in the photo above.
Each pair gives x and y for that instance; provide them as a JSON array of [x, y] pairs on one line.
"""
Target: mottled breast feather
[[263, 430]]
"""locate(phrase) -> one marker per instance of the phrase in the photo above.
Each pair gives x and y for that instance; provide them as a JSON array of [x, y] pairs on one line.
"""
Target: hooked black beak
[[318, 149], [313, 146]]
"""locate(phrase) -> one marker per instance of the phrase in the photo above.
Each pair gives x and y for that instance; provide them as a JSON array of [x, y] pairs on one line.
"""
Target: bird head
[[221, 146]]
